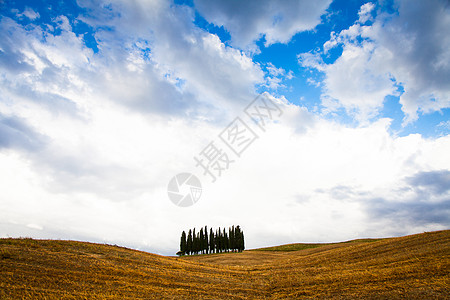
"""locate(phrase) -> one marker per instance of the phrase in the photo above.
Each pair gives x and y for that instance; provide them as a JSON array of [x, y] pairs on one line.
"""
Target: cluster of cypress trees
[[216, 242]]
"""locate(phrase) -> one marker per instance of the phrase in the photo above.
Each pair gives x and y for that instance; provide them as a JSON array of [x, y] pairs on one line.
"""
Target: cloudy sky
[[103, 102]]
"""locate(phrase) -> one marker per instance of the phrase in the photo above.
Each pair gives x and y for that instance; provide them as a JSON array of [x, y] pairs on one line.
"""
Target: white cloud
[[420, 55], [365, 12], [356, 83], [204, 68], [444, 124], [29, 13], [410, 49], [310, 60], [248, 21], [275, 77], [330, 44]]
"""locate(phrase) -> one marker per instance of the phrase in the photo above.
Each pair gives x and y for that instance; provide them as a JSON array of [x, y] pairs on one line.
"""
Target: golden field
[[411, 267]]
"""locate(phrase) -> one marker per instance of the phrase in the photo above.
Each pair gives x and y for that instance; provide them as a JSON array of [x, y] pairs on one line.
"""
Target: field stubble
[[413, 267]]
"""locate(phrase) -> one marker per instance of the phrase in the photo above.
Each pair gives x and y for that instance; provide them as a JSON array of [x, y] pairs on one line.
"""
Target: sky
[[103, 103]]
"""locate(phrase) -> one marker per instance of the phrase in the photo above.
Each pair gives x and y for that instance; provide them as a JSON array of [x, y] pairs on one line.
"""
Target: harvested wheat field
[[411, 267]]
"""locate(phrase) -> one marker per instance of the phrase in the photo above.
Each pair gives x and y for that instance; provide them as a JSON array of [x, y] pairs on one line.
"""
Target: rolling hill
[[413, 267]]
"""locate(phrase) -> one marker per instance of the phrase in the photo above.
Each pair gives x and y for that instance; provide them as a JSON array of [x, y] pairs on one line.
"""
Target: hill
[[414, 267], [303, 246]]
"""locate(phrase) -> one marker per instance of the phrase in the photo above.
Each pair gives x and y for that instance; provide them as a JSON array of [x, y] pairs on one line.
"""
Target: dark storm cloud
[[18, 66], [424, 200], [410, 213], [16, 133], [11, 58], [437, 182], [52, 102]]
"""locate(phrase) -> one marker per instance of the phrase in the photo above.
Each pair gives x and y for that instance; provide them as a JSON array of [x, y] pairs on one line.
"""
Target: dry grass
[[413, 267], [303, 246]]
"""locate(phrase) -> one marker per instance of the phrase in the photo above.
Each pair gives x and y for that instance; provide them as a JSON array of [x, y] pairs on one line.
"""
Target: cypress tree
[[224, 241], [189, 243], [183, 243], [240, 239], [205, 242], [231, 237], [218, 241], [201, 240], [194, 242], [227, 239], [199, 243], [236, 238], [211, 241]]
